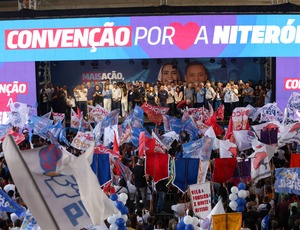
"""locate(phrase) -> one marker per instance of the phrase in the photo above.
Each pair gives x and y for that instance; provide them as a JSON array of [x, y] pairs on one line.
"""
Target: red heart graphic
[[185, 36]]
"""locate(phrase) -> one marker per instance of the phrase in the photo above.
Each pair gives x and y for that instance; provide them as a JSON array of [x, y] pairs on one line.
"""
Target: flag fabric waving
[[223, 169], [157, 165], [51, 197], [154, 113], [101, 167], [186, 173], [7, 204]]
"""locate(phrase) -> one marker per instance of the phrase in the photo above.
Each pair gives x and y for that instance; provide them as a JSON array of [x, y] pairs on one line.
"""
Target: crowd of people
[[147, 201], [195, 91]]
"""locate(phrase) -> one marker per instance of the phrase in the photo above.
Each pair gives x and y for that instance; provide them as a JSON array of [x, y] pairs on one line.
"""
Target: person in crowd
[[189, 94], [90, 92], [62, 106], [248, 94], [161, 190], [219, 95], [251, 216], [195, 72], [170, 100], [142, 91], [210, 94], [200, 95], [184, 105], [266, 220], [124, 100], [50, 90], [162, 96], [116, 97], [107, 95], [294, 219], [97, 96], [81, 97], [137, 97], [131, 102], [282, 211], [151, 97], [178, 97], [107, 82], [268, 94], [43, 102], [71, 104], [168, 73], [139, 180], [234, 95]]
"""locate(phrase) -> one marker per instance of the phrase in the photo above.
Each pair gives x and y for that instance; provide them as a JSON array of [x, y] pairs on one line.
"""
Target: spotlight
[[212, 60], [94, 64], [223, 63], [233, 60], [131, 62], [255, 60], [107, 62], [145, 64]]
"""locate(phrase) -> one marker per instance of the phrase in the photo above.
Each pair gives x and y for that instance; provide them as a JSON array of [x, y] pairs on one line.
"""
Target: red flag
[[154, 113], [78, 112], [295, 160], [157, 165], [220, 112], [115, 147], [212, 121], [223, 169]]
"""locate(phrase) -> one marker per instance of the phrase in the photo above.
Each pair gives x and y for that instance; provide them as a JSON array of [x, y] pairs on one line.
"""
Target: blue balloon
[[189, 227], [240, 201], [119, 205], [124, 210], [241, 186], [120, 222], [181, 226], [240, 208], [114, 197]]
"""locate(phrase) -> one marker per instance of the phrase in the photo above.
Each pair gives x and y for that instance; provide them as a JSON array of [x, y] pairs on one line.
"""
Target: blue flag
[[200, 148], [135, 118], [175, 124], [287, 180], [186, 173], [190, 127], [101, 167], [111, 119], [29, 223], [7, 204]]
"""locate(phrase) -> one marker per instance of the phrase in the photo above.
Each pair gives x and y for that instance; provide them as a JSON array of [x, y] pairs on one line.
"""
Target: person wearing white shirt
[[116, 97], [81, 92]]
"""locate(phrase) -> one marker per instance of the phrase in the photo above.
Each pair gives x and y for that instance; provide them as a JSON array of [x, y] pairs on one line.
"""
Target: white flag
[[97, 204], [260, 167], [211, 133], [227, 149], [53, 199], [243, 139]]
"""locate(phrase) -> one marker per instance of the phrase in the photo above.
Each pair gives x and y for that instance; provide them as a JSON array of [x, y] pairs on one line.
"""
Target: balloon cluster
[[118, 221], [188, 223], [237, 197]]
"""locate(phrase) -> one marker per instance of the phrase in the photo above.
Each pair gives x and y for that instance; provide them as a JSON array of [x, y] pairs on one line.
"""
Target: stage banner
[[287, 180], [201, 199]]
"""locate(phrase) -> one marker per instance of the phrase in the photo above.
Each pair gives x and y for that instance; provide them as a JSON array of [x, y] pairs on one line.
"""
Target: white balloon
[[123, 197], [111, 219], [125, 217], [113, 227], [117, 215], [188, 220], [234, 189], [242, 194], [232, 197], [233, 205], [195, 221]]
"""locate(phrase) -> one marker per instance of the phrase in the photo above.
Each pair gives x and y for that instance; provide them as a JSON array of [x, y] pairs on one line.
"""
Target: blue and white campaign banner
[[287, 180]]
